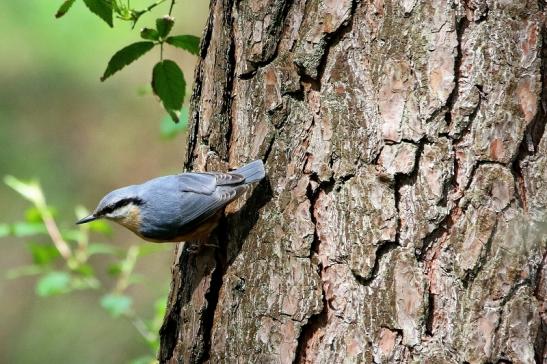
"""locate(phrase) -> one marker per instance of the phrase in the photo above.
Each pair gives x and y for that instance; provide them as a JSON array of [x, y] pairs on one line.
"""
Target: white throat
[[121, 212]]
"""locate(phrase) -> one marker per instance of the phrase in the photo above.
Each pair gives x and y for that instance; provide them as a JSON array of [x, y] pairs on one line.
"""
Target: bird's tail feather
[[252, 172]]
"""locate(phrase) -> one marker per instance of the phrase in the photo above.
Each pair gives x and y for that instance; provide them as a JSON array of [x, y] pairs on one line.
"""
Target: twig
[[128, 265], [138, 14], [141, 327], [171, 7], [55, 235]]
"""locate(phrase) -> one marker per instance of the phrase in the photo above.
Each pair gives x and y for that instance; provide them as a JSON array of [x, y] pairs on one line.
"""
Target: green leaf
[[168, 129], [53, 283], [115, 269], [43, 254], [187, 42], [125, 56], [4, 230], [150, 34], [155, 323], [147, 359], [169, 85], [116, 304], [30, 190], [85, 270], [98, 248], [164, 25], [25, 270], [173, 114], [101, 8], [160, 306], [64, 8], [101, 227], [32, 214], [23, 229]]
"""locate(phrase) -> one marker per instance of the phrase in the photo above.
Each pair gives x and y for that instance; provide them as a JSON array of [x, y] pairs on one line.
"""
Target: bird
[[176, 208]]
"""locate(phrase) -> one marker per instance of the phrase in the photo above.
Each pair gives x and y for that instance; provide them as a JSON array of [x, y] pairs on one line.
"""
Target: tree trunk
[[403, 218]]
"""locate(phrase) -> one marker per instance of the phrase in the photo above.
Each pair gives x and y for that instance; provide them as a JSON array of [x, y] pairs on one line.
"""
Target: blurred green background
[[81, 138]]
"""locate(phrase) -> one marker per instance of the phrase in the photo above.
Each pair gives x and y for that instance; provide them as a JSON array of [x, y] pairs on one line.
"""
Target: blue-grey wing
[[207, 182], [226, 178], [196, 182], [201, 207]]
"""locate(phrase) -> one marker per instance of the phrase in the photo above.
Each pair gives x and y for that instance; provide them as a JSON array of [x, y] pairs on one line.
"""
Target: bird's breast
[[200, 231], [132, 220]]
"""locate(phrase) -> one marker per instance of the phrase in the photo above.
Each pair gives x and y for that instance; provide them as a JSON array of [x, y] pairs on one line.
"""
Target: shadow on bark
[[236, 227]]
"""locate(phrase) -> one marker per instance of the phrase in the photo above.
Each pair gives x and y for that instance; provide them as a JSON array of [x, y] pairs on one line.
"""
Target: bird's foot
[[195, 246]]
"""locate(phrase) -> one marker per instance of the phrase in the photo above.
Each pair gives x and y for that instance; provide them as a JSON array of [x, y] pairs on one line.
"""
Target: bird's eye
[[107, 210]]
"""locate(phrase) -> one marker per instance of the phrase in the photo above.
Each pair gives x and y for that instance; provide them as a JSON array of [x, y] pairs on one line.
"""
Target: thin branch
[[55, 235], [138, 14], [141, 327], [171, 7], [128, 265]]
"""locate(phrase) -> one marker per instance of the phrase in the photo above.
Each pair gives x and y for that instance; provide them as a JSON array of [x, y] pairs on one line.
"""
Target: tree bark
[[403, 218]]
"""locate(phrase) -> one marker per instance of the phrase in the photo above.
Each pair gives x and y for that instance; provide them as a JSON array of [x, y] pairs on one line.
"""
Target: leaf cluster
[[61, 259], [168, 82]]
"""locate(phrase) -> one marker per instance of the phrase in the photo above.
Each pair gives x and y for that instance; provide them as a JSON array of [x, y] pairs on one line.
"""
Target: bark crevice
[[257, 65], [212, 301], [330, 40], [534, 131], [317, 321], [383, 250], [540, 344]]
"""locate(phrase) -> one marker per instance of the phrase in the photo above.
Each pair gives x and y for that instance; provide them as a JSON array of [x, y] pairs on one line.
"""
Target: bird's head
[[121, 205]]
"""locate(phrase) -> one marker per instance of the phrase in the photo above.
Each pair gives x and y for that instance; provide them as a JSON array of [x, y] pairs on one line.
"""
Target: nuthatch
[[176, 208]]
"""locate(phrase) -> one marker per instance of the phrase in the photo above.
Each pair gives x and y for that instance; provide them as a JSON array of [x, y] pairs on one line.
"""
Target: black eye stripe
[[121, 203]]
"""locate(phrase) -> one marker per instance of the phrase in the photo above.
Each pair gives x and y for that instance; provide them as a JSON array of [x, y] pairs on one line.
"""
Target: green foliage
[[53, 283], [144, 360], [42, 254], [64, 8], [164, 25], [102, 8], [30, 190], [125, 56], [150, 34], [169, 84], [4, 230], [24, 271], [100, 248], [61, 262], [168, 81], [116, 304], [24, 229], [187, 42], [32, 214]]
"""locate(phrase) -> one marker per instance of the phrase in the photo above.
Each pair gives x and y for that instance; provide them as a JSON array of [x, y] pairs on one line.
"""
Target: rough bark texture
[[404, 214]]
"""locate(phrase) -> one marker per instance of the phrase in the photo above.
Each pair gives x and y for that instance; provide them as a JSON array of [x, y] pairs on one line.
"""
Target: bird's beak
[[86, 219]]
